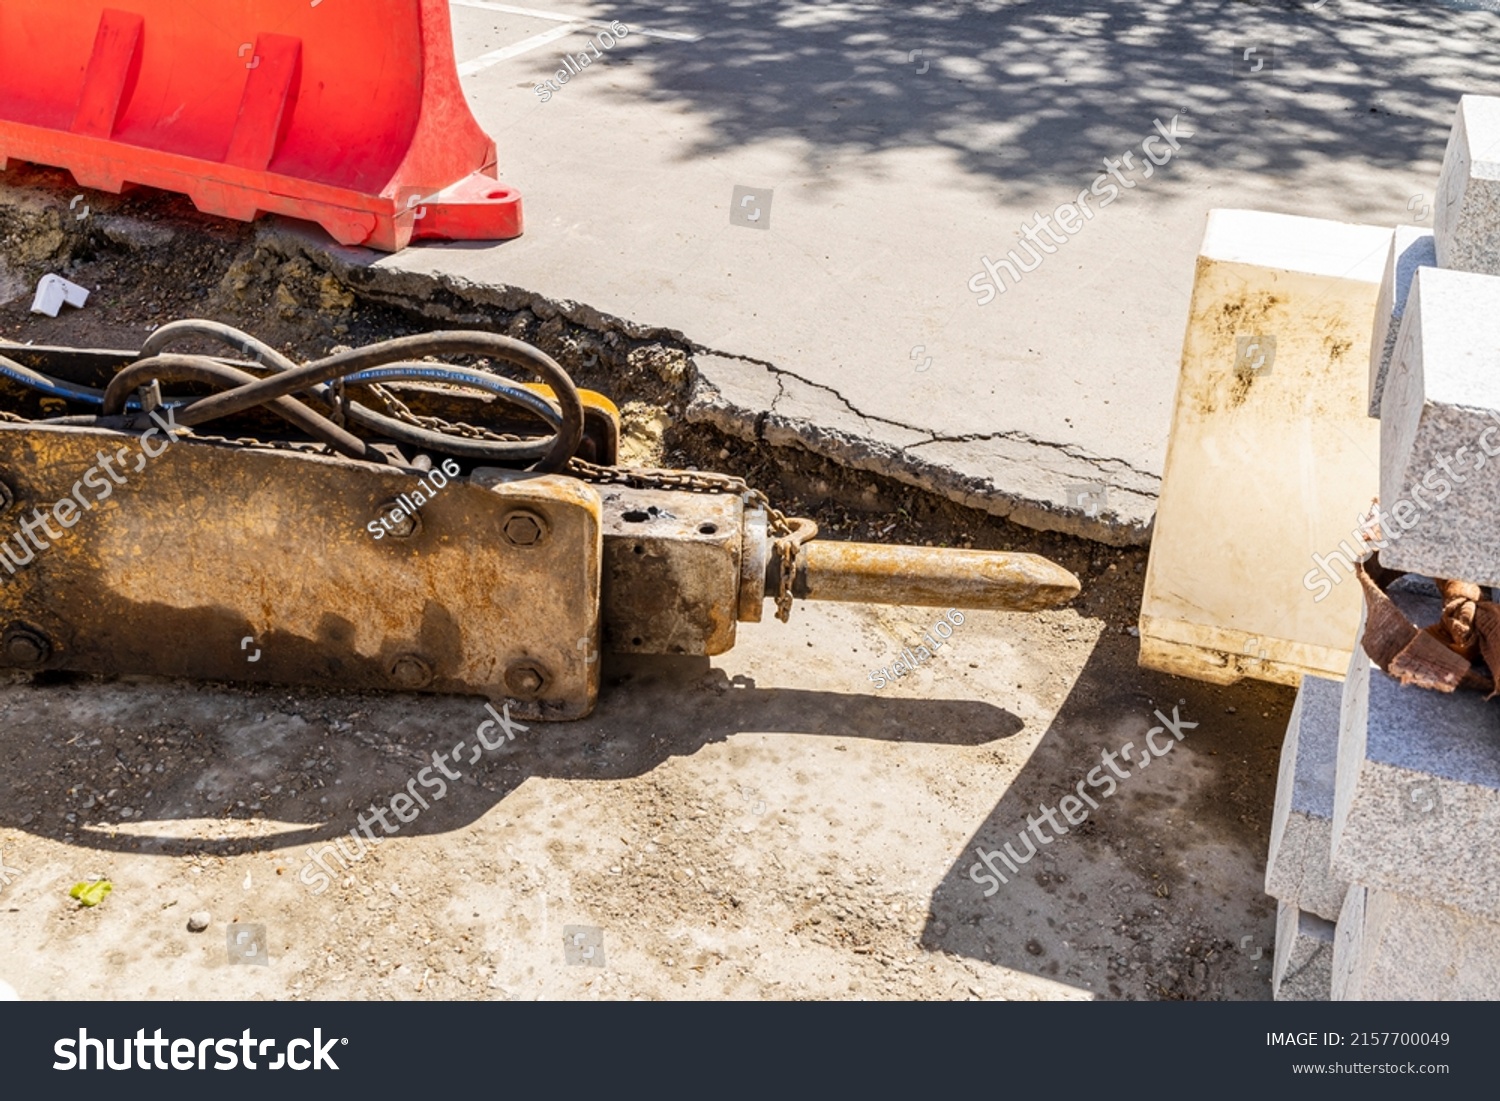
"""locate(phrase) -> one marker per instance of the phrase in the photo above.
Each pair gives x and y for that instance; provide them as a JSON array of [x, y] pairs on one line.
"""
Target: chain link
[[400, 411]]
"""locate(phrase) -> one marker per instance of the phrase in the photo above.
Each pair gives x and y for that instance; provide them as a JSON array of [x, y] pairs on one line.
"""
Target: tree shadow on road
[[1026, 94]]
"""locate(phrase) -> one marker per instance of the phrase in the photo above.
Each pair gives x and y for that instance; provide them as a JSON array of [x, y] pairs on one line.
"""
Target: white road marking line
[[494, 57], [558, 17]]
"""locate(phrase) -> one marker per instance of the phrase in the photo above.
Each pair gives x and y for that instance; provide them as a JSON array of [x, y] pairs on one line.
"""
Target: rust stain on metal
[[206, 545], [356, 574], [937, 577], [671, 571]]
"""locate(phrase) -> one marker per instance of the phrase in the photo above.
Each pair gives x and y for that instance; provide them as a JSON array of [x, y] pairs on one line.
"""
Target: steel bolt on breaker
[[508, 583]]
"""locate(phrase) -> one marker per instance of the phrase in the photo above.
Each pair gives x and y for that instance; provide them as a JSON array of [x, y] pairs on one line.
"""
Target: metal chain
[[398, 409], [197, 435]]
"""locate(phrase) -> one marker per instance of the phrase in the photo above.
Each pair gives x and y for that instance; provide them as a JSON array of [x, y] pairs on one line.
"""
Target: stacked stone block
[[1385, 845]]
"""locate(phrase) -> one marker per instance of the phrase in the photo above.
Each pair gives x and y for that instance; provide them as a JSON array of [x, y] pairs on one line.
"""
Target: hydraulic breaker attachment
[[432, 527]]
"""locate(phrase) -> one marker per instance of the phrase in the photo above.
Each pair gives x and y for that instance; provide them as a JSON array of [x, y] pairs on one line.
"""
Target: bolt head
[[409, 524], [410, 671], [525, 680], [26, 647], [524, 529]]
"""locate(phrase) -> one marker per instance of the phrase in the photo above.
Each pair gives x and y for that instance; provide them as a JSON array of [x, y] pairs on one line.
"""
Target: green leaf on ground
[[91, 894]]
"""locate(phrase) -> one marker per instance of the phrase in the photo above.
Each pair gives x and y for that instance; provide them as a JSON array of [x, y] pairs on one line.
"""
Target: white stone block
[[1440, 430], [1303, 968], [1417, 794], [1467, 220], [1348, 938], [1389, 947], [1412, 248]]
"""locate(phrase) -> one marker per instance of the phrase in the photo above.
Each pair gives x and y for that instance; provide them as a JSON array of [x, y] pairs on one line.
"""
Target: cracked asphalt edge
[[1034, 483]]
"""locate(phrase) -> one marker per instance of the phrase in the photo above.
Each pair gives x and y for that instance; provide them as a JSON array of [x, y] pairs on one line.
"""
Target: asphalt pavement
[[823, 197]]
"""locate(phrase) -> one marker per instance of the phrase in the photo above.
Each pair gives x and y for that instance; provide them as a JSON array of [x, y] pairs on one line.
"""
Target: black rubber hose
[[401, 431], [48, 385], [483, 450], [450, 375], [491, 345], [564, 444], [392, 428], [263, 353], [172, 367], [467, 447], [242, 342]]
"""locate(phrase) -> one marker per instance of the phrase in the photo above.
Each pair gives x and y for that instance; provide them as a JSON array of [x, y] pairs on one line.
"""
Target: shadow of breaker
[[652, 709]]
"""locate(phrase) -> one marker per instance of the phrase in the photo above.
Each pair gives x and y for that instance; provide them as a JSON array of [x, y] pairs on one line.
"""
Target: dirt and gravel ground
[[763, 825]]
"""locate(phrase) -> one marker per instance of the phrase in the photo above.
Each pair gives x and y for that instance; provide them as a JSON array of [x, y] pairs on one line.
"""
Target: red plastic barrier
[[344, 112]]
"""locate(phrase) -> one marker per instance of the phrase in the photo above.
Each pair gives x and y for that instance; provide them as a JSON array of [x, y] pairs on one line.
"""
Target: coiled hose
[[395, 360]]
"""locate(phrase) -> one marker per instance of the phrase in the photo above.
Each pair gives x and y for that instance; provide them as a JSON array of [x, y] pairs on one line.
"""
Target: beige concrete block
[[1272, 458]]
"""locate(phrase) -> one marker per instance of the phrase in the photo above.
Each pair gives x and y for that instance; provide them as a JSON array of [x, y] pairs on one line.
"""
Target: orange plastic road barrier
[[345, 112]]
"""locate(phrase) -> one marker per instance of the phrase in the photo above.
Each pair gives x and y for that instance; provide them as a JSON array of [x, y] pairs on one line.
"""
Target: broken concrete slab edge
[[892, 461], [1105, 467], [764, 425], [363, 270]]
